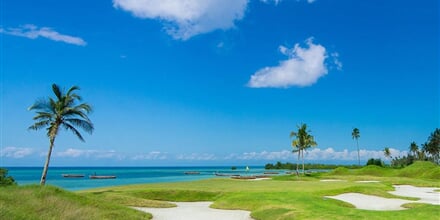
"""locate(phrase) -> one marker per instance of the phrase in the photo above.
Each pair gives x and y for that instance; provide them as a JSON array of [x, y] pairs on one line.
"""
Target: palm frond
[[86, 125], [292, 134], [43, 116], [84, 107], [39, 125], [40, 104], [67, 126], [57, 91]]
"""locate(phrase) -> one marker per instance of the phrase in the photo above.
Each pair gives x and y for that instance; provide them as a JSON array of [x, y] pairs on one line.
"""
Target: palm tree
[[387, 153], [302, 141], [414, 149], [356, 135], [432, 147], [61, 112]]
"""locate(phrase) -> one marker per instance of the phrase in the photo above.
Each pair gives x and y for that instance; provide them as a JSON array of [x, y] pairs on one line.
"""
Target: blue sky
[[221, 82]]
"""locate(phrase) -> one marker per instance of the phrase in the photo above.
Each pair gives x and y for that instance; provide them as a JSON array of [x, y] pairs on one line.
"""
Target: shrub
[[377, 162], [4, 179]]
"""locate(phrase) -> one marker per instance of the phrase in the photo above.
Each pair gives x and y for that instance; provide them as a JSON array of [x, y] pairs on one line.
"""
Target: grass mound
[[421, 169], [49, 202], [373, 170], [340, 171], [177, 195]]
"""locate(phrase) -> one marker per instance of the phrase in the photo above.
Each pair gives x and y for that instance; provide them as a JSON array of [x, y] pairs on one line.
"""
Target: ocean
[[124, 175]]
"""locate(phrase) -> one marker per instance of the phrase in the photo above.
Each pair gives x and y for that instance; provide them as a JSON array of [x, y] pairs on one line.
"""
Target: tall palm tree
[[61, 112], [356, 135], [387, 153], [432, 146], [414, 149], [303, 140]]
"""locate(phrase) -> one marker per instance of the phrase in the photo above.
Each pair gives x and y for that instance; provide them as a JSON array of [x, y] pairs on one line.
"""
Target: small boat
[[73, 175], [101, 177], [271, 173], [192, 173], [225, 174]]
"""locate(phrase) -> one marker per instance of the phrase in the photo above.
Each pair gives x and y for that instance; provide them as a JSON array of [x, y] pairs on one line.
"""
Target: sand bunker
[[367, 202], [332, 180], [426, 194], [367, 181], [195, 211]]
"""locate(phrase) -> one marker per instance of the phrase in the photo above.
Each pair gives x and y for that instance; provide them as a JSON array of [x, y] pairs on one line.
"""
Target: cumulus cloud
[[264, 155], [16, 152], [32, 32], [303, 67], [196, 156], [270, 1], [327, 154], [276, 2], [98, 154], [184, 19], [153, 155]]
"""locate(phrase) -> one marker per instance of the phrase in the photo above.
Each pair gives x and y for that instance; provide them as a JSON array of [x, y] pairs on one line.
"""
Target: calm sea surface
[[124, 175]]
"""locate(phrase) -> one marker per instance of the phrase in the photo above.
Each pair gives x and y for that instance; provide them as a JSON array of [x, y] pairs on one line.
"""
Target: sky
[[220, 82]]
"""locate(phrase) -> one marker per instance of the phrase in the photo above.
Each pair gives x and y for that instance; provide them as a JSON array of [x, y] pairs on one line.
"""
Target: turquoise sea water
[[124, 175]]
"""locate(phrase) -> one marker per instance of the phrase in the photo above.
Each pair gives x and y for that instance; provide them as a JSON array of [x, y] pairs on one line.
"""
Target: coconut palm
[[61, 112], [432, 147], [303, 140], [387, 152], [356, 135], [414, 149]]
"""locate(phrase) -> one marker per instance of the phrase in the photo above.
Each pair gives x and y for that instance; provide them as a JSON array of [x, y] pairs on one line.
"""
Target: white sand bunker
[[195, 211], [332, 180], [361, 201]]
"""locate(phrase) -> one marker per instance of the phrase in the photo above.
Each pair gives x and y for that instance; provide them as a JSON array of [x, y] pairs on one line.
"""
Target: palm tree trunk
[[302, 156], [359, 157], [297, 163], [46, 165]]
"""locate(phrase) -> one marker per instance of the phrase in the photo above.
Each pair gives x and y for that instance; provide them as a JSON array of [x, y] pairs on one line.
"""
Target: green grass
[[283, 197], [48, 202]]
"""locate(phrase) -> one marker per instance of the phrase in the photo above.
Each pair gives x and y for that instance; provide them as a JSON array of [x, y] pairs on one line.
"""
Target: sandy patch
[[426, 194], [258, 179], [332, 180], [195, 211], [367, 202], [367, 181]]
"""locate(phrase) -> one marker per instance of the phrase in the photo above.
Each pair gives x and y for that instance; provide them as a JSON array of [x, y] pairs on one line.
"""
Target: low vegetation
[[308, 166], [283, 197], [48, 202], [6, 180]]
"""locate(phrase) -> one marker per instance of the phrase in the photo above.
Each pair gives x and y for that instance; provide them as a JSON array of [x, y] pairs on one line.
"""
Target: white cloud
[[264, 155], [303, 67], [276, 2], [196, 156], [328, 154], [32, 32], [153, 155], [71, 152], [187, 18], [270, 1], [98, 154], [15, 152]]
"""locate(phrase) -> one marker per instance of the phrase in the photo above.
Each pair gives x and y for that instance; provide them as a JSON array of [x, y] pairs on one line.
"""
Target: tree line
[[429, 151]]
